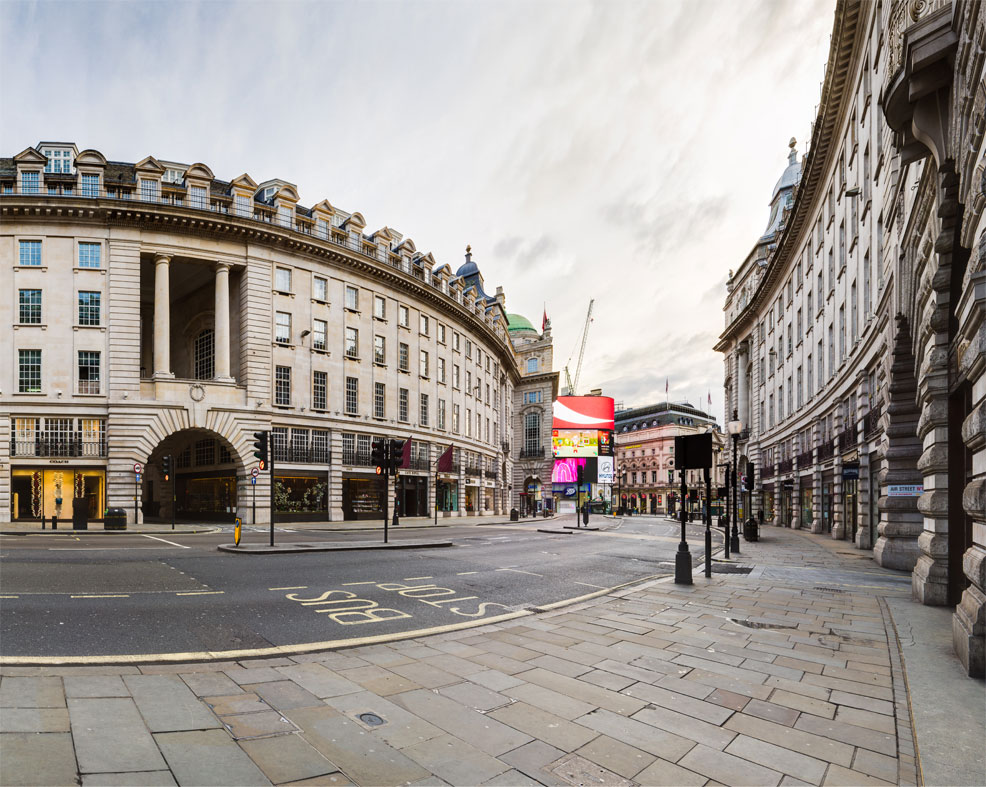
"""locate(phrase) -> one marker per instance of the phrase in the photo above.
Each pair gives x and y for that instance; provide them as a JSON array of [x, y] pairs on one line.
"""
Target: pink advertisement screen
[[566, 470]]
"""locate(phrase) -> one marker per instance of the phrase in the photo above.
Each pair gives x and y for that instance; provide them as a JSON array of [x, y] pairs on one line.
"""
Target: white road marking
[[103, 595], [586, 584], [293, 587], [100, 549], [464, 573], [181, 546], [518, 571], [411, 579], [201, 593]]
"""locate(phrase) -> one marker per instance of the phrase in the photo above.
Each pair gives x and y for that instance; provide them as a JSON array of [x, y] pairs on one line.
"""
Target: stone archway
[[204, 486]]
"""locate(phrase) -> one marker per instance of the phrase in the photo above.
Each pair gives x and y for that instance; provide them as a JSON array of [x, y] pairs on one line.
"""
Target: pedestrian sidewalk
[[791, 673]]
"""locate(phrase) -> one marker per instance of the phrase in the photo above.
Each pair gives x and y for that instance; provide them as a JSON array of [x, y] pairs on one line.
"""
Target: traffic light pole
[[271, 501], [683, 558], [708, 523], [174, 499]]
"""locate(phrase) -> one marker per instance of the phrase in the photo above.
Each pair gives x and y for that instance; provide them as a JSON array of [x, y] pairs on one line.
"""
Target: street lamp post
[[734, 428], [683, 558]]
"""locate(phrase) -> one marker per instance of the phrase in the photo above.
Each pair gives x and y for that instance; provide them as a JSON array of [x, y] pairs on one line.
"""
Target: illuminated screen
[[574, 442], [566, 471]]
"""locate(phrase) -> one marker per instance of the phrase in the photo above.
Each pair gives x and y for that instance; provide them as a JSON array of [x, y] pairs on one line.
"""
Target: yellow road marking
[[586, 584], [347, 584], [9, 596], [105, 595], [201, 593], [293, 587], [411, 579]]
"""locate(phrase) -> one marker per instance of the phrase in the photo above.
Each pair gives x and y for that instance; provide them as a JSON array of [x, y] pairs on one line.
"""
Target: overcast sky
[[622, 151]]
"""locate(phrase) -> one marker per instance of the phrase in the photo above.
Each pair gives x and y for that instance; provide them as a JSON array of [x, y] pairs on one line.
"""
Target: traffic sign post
[[138, 469], [253, 482]]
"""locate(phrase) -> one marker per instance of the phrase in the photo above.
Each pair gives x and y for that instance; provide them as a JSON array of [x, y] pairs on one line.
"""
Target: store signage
[[58, 461], [605, 470], [905, 490], [850, 472]]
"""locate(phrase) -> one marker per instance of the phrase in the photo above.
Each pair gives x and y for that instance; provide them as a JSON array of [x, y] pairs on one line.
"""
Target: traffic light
[[378, 455], [166, 467], [260, 448], [581, 474], [396, 455]]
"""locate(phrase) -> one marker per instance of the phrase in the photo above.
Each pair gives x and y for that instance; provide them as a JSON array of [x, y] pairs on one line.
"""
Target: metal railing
[[60, 445], [826, 450], [532, 453], [472, 469], [872, 421], [301, 455], [847, 438], [356, 458], [785, 466], [805, 458]]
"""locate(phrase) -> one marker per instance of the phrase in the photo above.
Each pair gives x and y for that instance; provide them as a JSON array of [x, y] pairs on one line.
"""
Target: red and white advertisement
[[583, 412]]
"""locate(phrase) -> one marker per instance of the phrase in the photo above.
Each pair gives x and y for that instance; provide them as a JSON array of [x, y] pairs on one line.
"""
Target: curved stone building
[[855, 339], [158, 310]]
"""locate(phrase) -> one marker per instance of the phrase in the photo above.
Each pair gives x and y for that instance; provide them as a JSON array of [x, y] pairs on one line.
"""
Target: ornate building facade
[[644, 445], [855, 340], [534, 395], [158, 310]]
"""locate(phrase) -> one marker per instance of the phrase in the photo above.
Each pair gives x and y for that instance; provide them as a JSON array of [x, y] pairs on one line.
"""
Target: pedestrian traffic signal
[[378, 455], [581, 474], [166, 467], [396, 455], [260, 445]]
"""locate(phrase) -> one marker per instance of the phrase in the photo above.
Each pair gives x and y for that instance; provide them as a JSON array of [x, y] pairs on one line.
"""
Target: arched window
[[532, 432], [532, 365], [204, 355]]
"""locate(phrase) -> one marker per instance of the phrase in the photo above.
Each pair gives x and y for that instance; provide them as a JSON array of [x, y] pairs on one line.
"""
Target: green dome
[[516, 322]]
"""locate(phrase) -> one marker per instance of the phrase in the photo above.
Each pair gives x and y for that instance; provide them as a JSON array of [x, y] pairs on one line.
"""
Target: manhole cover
[[371, 719], [726, 568], [753, 624]]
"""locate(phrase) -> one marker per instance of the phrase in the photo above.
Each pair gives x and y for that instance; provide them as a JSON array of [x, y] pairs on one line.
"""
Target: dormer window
[[59, 161], [173, 176], [269, 192]]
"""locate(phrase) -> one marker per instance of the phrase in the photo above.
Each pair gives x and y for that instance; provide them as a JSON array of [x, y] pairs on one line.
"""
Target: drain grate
[[753, 624], [829, 590]]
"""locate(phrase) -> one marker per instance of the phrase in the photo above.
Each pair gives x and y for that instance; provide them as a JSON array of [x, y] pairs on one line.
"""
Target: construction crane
[[578, 369]]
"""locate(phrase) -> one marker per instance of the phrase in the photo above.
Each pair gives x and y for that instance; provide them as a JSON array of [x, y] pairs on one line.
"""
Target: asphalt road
[[84, 595]]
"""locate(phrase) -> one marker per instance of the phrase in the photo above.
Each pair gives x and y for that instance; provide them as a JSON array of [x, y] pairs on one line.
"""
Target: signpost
[[253, 482], [138, 469]]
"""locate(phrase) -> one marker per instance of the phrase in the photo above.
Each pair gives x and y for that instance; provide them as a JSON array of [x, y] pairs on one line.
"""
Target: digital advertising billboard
[[584, 412], [574, 442]]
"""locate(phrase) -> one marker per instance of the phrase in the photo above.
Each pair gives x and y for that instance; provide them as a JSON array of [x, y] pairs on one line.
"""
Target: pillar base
[[929, 582], [900, 554], [969, 632], [817, 526], [838, 530], [163, 376]]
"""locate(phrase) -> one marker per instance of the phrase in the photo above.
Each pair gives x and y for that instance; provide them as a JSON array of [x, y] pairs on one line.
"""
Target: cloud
[[622, 151]]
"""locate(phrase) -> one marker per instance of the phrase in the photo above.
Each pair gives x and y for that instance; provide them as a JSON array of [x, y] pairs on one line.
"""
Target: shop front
[[448, 495], [787, 502], [362, 496], [301, 497], [412, 495], [43, 492], [473, 497], [209, 496], [767, 497], [850, 497], [827, 493], [488, 495], [874, 499], [806, 501]]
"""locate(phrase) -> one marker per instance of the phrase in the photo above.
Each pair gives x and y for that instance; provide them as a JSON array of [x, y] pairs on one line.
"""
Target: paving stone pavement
[[791, 674]]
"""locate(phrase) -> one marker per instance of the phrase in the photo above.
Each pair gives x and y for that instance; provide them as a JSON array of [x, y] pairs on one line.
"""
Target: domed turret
[[783, 195]]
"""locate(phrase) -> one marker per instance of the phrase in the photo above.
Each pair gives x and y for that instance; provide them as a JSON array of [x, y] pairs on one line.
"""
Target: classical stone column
[[930, 577], [817, 522], [221, 334], [900, 521], [838, 515], [969, 620], [162, 316]]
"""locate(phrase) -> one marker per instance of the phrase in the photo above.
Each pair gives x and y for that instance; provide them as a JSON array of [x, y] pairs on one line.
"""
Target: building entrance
[[412, 495]]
